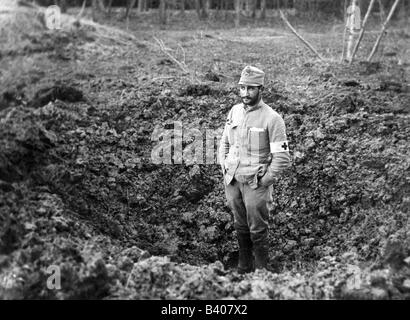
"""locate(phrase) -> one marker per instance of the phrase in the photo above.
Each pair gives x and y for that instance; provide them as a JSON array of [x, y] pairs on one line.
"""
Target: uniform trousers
[[250, 208]]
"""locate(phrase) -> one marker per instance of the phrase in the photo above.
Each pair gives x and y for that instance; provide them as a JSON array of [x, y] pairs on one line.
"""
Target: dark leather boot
[[245, 263], [261, 255], [260, 249]]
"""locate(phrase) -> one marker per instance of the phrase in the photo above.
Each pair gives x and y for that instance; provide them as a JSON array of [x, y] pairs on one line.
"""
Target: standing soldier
[[253, 152], [353, 25]]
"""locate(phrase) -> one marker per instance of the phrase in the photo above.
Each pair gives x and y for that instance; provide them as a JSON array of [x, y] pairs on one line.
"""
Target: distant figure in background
[[253, 152], [353, 17], [52, 17], [353, 25]]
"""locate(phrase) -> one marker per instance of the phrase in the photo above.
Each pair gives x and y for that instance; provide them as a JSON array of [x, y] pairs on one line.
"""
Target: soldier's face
[[250, 94]]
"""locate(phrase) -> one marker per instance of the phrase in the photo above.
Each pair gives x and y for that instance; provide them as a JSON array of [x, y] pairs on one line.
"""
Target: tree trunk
[[100, 4], [130, 5], [162, 12], [225, 8], [238, 7], [94, 9], [254, 5], [381, 11], [201, 7], [345, 30], [217, 7], [109, 6], [139, 6], [182, 6], [345, 11], [144, 5], [62, 4], [247, 8], [198, 8], [207, 7], [402, 11], [263, 9]]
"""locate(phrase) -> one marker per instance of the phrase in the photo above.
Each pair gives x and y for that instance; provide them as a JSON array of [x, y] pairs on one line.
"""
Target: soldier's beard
[[250, 101]]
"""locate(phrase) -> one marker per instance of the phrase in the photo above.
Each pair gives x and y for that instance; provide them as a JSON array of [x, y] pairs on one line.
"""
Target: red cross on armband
[[279, 146]]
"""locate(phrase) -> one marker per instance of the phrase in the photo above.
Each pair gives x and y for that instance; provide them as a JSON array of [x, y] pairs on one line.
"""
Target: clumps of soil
[[60, 92], [369, 68], [106, 192], [334, 278], [10, 98], [212, 90], [25, 143], [212, 76], [197, 90], [79, 191]]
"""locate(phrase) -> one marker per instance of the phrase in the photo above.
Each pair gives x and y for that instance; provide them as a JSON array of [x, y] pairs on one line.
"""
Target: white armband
[[279, 146]]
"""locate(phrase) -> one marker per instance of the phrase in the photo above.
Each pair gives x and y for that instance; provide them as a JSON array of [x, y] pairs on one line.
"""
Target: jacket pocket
[[257, 139], [233, 133]]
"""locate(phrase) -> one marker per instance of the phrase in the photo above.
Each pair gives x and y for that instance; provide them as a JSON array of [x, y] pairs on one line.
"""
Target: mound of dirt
[[24, 144], [80, 192], [62, 92]]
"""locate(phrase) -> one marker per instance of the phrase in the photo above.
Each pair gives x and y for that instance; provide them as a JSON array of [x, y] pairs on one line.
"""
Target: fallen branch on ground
[[79, 16], [299, 36], [27, 4], [221, 39], [182, 65], [369, 9], [163, 78], [116, 35], [183, 52], [379, 38], [343, 41], [344, 32]]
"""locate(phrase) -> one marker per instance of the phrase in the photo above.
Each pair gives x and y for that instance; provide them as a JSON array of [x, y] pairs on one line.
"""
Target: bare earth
[[78, 189]]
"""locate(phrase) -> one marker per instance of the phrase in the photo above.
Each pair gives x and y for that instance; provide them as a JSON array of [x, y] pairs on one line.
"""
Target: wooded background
[[249, 8]]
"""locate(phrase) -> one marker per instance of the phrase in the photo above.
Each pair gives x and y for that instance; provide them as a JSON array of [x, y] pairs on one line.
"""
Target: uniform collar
[[255, 107]]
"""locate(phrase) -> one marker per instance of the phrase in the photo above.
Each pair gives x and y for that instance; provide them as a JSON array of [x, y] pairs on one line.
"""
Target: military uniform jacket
[[253, 143]]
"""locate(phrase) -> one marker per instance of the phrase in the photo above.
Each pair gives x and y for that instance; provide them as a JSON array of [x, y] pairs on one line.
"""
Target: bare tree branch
[[78, 18], [182, 65], [299, 36], [376, 45], [183, 52], [344, 31], [369, 9]]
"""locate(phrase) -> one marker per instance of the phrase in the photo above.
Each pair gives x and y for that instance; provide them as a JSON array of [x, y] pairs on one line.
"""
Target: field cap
[[252, 76]]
